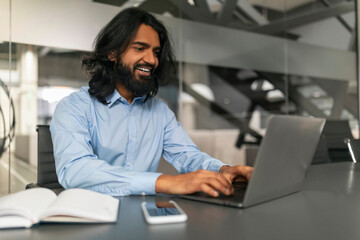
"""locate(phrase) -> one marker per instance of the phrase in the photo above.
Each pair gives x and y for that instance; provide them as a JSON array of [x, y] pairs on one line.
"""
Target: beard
[[145, 85]]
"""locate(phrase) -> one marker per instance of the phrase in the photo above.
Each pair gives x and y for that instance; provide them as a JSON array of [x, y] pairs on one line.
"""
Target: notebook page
[[28, 204], [11, 221], [84, 204]]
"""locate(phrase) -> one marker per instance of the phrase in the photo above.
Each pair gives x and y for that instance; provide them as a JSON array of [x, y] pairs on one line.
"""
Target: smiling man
[[109, 137]]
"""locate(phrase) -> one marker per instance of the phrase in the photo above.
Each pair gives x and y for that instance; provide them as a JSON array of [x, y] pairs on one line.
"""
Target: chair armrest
[[32, 185]]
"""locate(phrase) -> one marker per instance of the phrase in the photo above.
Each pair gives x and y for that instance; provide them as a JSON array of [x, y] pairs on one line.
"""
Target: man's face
[[136, 66], [141, 56]]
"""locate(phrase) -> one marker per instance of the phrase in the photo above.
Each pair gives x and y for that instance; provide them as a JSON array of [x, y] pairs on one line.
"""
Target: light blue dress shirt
[[116, 148]]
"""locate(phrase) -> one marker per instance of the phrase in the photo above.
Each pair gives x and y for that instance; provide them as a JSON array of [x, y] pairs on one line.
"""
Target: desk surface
[[328, 207]]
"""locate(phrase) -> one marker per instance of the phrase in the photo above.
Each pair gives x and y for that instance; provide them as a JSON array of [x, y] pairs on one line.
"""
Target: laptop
[[284, 156]]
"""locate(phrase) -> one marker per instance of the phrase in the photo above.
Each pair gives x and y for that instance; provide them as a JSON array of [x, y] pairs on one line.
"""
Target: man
[[109, 137]]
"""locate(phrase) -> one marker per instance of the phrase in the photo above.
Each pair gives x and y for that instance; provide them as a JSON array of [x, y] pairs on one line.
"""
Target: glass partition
[[8, 78], [238, 62], [243, 61]]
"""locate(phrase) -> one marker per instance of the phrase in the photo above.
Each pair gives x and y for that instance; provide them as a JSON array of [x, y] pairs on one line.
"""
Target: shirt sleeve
[[181, 152], [76, 164]]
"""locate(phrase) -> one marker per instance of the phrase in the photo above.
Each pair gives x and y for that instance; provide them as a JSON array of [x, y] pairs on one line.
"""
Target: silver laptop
[[284, 156]]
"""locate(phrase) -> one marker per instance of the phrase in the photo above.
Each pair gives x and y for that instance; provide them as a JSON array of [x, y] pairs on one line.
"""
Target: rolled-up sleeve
[[181, 152]]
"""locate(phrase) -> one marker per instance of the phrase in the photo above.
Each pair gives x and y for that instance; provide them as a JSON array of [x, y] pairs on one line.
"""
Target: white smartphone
[[163, 212]]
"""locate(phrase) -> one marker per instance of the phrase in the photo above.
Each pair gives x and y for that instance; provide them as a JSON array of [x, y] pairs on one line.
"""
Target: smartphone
[[163, 212]]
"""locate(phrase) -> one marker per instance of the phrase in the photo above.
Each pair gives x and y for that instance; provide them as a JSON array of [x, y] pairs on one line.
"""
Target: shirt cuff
[[216, 165], [144, 183]]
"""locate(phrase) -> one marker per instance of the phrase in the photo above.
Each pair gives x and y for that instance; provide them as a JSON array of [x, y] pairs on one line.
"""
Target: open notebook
[[29, 207]]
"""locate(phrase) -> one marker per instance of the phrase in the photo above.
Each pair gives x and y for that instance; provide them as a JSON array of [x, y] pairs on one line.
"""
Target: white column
[[27, 98], [192, 73]]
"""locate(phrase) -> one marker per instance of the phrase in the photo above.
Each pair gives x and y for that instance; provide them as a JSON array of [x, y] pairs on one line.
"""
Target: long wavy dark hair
[[116, 36]]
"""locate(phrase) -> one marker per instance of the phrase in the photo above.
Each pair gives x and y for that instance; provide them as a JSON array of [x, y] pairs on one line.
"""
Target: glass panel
[[6, 118], [45, 67], [228, 96], [255, 58], [327, 83], [238, 63], [323, 84]]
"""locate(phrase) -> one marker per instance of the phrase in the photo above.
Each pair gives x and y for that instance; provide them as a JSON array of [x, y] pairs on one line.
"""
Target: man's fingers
[[220, 177], [240, 170], [247, 171], [223, 179], [206, 181], [209, 190], [229, 177], [215, 183], [240, 179]]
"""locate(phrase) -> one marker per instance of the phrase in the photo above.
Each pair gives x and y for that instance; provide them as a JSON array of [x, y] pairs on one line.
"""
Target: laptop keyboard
[[238, 196], [239, 193]]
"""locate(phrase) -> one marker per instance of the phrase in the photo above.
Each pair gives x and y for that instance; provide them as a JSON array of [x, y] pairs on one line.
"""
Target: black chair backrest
[[321, 154], [331, 147], [46, 162], [335, 132]]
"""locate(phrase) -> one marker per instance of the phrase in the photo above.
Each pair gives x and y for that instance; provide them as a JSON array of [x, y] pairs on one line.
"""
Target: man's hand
[[201, 180], [237, 173]]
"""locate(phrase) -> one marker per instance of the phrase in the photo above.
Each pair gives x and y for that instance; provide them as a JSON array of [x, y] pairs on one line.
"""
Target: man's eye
[[139, 48], [157, 54]]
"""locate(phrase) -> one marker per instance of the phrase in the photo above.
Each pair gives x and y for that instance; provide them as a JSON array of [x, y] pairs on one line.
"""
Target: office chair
[[321, 154], [46, 175], [354, 148]]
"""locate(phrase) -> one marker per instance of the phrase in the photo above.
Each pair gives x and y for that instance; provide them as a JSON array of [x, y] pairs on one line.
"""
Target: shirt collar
[[115, 95]]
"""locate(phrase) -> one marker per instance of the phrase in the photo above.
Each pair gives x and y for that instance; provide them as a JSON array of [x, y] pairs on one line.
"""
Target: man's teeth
[[144, 69]]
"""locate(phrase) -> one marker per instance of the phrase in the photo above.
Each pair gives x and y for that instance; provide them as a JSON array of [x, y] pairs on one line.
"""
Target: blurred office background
[[239, 61]]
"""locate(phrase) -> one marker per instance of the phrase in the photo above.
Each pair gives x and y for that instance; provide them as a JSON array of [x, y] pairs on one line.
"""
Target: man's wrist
[[223, 168], [162, 183]]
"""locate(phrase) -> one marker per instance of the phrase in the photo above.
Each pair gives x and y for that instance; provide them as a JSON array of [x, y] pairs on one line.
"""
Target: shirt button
[[132, 139]]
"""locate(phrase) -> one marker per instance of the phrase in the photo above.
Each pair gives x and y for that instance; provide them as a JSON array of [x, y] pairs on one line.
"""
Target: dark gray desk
[[327, 208]]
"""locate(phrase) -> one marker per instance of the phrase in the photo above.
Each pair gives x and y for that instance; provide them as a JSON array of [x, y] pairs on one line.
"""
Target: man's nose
[[150, 58]]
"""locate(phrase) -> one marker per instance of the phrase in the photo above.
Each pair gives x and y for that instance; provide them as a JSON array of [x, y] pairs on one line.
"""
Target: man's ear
[[112, 55]]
